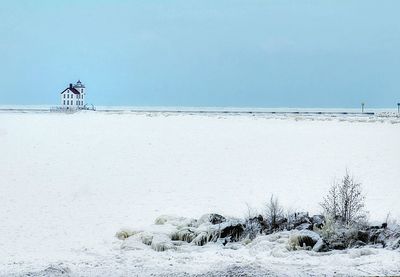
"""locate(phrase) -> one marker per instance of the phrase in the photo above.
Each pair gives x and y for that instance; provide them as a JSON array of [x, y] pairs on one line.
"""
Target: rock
[[309, 238], [357, 244], [260, 220], [125, 233], [363, 236], [234, 231], [304, 239], [162, 219], [201, 239], [212, 218], [320, 246], [185, 234], [377, 236], [296, 219], [146, 237], [318, 221], [337, 245], [216, 219], [280, 224], [162, 242], [304, 226], [373, 228]]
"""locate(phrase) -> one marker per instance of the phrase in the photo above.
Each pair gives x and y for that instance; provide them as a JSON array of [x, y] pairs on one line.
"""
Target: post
[[362, 107], [398, 108]]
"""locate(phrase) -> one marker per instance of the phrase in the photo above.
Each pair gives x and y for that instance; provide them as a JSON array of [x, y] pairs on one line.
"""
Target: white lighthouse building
[[73, 97]]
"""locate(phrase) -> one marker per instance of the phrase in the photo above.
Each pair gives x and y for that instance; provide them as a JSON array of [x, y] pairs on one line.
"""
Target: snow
[[69, 182]]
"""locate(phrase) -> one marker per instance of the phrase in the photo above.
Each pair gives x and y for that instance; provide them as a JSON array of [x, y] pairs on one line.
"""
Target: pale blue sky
[[202, 53]]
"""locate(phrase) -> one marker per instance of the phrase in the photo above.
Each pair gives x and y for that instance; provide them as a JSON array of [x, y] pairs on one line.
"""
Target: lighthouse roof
[[72, 89], [79, 84]]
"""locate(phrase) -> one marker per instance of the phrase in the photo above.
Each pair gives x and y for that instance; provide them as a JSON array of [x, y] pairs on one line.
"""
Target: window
[[64, 97], [64, 102], [77, 102]]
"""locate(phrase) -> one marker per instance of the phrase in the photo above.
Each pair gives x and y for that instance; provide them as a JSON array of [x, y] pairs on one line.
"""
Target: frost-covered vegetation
[[345, 202], [343, 225]]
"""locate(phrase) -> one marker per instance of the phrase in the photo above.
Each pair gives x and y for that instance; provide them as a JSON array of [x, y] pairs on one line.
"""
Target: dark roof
[[73, 90]]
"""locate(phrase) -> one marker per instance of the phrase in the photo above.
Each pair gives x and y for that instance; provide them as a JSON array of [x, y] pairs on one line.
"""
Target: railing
[[63, 109]]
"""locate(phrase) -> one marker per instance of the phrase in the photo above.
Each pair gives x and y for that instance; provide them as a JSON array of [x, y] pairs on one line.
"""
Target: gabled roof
[[73, 90]]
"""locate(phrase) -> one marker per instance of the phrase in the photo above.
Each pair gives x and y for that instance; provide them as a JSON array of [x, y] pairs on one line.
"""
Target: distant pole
[[362, 107], [398, 108]]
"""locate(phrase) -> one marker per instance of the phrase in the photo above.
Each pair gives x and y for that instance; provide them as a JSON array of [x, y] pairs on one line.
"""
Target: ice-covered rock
[[318, 220], [212, 218], [304, 239], [362, 236], [304, 226], [146, 237], [161, 242], [357, 244], [202, 238], [171, 232], [187, 234], [320, 246], [233, 231], [125, 233]]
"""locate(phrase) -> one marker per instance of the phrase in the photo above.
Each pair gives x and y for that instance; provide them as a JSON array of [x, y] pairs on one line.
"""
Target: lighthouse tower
[[82, 90]]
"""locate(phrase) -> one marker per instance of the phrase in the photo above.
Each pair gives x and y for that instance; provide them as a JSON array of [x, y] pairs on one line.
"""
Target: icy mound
[[168, 232], [302, 232]]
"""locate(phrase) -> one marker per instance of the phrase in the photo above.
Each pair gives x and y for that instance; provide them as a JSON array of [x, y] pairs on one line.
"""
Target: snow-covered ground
[[68, 182]]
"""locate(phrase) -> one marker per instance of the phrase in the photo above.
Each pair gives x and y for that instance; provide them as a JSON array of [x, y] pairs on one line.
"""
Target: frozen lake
[[70, 181]]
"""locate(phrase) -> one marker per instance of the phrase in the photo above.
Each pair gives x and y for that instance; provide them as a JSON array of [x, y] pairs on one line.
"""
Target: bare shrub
[[274, 212], [345, 202], [252, 223]]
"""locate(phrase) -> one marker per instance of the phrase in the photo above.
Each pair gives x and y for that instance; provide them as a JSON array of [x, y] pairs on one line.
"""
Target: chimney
[[70, 85]]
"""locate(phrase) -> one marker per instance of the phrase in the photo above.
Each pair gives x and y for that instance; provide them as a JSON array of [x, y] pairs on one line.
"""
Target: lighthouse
[[73, 97]]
